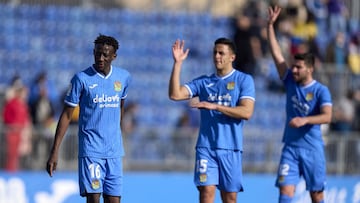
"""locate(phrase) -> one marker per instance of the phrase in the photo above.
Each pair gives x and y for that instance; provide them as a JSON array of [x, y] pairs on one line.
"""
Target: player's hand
[[273, 14], [178, 50], [51, 164], [298, 122], [204, 105]]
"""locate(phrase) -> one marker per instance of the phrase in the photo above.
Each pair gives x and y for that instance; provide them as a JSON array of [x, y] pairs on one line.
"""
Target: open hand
[[178, 50], [204, 105], [273, 14]]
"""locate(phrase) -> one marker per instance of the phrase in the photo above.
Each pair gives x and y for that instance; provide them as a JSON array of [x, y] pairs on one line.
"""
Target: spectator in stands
[[354, 53], [249, 43], [344, 113], [226, 100], [41, 106], [304, 26], [356, 97], [318, 8], [336, 60], [308, 106], [15, 83], [42, 113], [42, 94], [336, 52], [100, 92], [17, 122], [129, 122], [338, 15]]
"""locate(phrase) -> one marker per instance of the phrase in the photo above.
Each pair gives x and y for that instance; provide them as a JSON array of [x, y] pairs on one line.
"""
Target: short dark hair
[[103, 39], [308, 58], [228, 42]]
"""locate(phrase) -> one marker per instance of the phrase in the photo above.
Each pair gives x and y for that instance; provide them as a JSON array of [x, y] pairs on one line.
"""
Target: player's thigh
[[206, 167], [288, 171], [113, 182], [314, 169], [230, 170], [91, 175]]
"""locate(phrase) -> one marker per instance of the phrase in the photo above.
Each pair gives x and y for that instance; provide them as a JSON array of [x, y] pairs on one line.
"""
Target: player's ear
[[233, 57]]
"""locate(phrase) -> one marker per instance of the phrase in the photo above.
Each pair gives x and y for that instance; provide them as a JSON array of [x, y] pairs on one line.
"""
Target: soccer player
[[226, 100], [308, 105], [100, 91]]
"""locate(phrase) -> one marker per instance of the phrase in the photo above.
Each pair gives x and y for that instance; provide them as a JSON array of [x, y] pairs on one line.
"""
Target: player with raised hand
[[308, 105], [226, 100]]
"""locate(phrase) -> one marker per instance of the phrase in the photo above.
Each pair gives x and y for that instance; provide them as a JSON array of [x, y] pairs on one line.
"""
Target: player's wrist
[[178, 62], [270, 24]]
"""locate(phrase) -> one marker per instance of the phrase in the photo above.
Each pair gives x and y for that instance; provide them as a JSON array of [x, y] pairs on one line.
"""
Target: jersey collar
[[226, 76], [100, 74]]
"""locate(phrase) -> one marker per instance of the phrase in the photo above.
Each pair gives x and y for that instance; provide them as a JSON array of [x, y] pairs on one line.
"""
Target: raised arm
[[176, 90], [273, 43]]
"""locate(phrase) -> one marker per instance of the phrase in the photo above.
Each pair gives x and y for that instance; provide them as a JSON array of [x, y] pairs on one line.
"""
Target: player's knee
[[207, 192], [288, 190], [229, 197], [317, 196]]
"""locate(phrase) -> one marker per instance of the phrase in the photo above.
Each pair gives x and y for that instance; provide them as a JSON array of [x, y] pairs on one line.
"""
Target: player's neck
[[224, 72], [306, 81]]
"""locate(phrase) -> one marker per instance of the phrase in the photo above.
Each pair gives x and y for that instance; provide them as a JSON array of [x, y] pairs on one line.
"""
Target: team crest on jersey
[[281, 179], [309, 96], [117, 86], [95, 184], [203, 178], [230, 86]]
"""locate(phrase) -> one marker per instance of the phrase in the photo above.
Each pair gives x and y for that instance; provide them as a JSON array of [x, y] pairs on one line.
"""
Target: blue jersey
[[99, 98], [304, 101], [219, 131]]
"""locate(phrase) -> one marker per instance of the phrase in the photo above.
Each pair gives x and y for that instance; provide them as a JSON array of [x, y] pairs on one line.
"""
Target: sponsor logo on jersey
[[106, 101], [302, 107], [209, 85], [93, 86], [117, 86], [224, 100], [105, 98]]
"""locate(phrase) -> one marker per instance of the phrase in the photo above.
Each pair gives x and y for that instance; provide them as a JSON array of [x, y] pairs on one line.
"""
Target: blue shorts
[[100, 176], [220, 167], [296, 162]]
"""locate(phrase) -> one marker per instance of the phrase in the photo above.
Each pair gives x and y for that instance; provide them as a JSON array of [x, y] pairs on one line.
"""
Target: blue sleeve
[[73, 94], [248, 88], [126, 86], [325, 96], [194, 86]]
